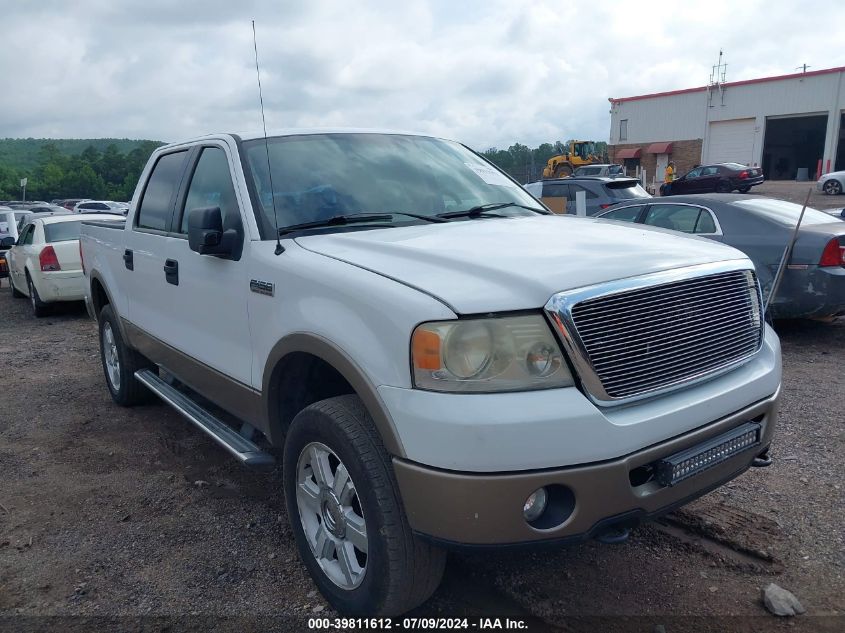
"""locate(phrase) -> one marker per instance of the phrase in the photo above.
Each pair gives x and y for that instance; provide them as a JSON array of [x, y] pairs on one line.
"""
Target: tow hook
[[614, 535], [762, 460]]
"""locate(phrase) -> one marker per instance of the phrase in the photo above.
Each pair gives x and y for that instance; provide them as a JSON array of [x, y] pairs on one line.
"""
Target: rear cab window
[[156, 207]]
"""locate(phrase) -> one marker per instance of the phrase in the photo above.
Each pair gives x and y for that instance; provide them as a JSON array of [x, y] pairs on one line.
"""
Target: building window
[[623, 130]]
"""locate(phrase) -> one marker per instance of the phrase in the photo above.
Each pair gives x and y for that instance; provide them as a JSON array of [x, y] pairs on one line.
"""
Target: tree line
[[526, 164], [110, 174]]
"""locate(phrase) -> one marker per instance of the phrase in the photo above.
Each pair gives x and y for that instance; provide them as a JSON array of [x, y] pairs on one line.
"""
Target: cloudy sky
[[488, 73]]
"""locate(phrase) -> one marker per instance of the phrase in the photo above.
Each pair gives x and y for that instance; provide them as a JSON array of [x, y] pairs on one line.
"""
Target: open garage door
[[793, 142], [731, 141]]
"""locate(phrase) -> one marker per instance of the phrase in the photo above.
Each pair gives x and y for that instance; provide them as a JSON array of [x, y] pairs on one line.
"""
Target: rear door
[[555, 195], [709, 179], [147, 248]]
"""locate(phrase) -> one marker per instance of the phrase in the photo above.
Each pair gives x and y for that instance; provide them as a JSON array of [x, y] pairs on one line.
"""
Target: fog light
[[535, 504]]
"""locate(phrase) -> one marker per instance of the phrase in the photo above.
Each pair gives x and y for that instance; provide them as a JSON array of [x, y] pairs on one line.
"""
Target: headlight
[[492, 354]]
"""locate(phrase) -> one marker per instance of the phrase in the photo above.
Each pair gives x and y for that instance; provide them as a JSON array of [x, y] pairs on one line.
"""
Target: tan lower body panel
[[235, 397], [479, 509]]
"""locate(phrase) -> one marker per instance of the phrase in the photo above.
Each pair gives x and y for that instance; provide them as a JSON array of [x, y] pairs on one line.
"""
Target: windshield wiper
[[476, 211], [355, 218]]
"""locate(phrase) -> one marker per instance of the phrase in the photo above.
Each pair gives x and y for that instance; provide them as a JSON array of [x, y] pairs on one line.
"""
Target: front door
[[209, 306]]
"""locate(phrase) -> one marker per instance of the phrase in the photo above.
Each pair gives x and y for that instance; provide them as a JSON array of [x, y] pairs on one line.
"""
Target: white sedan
[[44, 263], [832, 184]]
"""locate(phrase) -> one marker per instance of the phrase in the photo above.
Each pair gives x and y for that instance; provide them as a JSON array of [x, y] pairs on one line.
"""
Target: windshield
[[319, 176], [784, 212], [62, 231]]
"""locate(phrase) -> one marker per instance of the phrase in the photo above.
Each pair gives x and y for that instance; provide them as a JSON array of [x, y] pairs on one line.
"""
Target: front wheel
[[347, 516], [833, 187]]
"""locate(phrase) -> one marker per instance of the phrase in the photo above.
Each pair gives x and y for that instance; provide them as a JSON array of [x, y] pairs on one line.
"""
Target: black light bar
[[675, 468]]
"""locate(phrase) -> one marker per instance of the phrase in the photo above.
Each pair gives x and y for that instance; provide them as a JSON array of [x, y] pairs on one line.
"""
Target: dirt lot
[[133, 516]]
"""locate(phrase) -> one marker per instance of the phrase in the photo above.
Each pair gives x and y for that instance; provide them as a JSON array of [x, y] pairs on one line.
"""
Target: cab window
[[555, 190], [156, 206], [695, 173], [211, 186]]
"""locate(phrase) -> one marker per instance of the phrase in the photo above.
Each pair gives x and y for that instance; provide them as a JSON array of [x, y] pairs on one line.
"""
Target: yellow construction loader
[[579, 153]]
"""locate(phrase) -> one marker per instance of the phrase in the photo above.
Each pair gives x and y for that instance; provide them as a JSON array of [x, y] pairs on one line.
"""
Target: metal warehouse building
[[784, 124]]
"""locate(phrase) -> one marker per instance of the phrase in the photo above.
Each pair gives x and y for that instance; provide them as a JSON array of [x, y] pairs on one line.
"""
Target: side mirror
[[206, 235], [7, 242]]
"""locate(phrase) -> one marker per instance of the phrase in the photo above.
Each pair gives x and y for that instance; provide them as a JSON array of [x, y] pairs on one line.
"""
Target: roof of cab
[[251, 135]]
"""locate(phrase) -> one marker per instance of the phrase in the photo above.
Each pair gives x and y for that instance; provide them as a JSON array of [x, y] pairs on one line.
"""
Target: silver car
[[832, 184]]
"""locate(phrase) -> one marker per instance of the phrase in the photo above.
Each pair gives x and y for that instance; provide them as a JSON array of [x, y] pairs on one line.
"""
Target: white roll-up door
[[731, 141]]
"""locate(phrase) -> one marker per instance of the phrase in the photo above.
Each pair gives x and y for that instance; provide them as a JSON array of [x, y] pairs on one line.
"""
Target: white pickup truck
[[436, 359]]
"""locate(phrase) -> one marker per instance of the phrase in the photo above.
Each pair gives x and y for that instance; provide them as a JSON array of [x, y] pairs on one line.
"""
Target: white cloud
[[487, 73]]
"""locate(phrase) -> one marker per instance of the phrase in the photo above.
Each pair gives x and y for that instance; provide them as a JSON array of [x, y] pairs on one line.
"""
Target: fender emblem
[[262, 287]]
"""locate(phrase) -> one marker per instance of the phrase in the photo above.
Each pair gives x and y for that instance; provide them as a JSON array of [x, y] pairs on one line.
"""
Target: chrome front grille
[[636, 337]]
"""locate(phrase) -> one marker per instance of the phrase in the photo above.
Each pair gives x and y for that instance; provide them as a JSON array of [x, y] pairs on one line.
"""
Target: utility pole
[[23, 188]]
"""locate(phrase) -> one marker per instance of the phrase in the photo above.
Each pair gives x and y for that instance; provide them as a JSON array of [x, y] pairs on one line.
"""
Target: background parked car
[[45, 264], [832, 184], [70, 203], [813, 284], [598, 170], [25, 216], [100, 205], [601, 191], [718, 178]]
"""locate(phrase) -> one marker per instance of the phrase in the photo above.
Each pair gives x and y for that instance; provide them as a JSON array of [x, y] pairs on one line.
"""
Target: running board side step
[[236, 444]]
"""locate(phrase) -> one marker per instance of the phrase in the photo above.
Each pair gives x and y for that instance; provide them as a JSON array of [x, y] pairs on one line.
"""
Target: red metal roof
[[659, 148], [630, 152], [744, 82]]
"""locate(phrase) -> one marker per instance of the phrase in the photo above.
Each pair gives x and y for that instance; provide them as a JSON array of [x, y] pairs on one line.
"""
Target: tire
[[17, 294], [39, 308], [120, 362], [724, 187], [833, 187], [563, 171], [744, 189], [398, 571]]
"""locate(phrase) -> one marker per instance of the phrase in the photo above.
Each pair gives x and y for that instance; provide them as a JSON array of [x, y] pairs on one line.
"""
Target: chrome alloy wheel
[[331, 515], [110, 356]]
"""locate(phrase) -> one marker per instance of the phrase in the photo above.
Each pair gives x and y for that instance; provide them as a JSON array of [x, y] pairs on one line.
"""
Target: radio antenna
[[279, 248]]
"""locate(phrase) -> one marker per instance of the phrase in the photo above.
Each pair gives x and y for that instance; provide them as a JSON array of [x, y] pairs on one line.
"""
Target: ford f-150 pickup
[[434, 359]]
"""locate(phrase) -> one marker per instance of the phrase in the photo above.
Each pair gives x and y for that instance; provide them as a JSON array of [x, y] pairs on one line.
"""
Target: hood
[[494, 265]]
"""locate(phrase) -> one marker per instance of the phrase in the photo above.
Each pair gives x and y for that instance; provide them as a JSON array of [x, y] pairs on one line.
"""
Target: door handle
[[128, 260], [171, 271]]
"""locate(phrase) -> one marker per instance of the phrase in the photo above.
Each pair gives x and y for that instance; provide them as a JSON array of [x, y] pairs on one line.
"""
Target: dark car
[[719, 178], [602, 192], [813, 284]]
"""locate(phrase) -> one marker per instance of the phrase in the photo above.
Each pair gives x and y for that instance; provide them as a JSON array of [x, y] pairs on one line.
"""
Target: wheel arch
[[328, 371]]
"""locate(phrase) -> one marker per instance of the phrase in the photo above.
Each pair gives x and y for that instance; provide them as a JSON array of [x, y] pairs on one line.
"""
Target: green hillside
[[102, 168], [23, 153]]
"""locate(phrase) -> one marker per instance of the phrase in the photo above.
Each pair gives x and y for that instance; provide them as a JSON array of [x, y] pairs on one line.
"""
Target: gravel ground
[[132, 515]]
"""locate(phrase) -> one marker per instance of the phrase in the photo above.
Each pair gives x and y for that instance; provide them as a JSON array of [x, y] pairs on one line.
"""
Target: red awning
[[631, 152], [659, 148]]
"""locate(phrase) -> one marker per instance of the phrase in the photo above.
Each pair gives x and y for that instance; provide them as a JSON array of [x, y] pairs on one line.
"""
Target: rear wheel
[[39, 308], [17, 294], [724, 187], [347, 516], [744, 189], [833, 187], [120, 362]]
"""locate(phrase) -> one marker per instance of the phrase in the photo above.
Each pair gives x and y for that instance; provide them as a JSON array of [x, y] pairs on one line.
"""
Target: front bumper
[[486, 509]]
